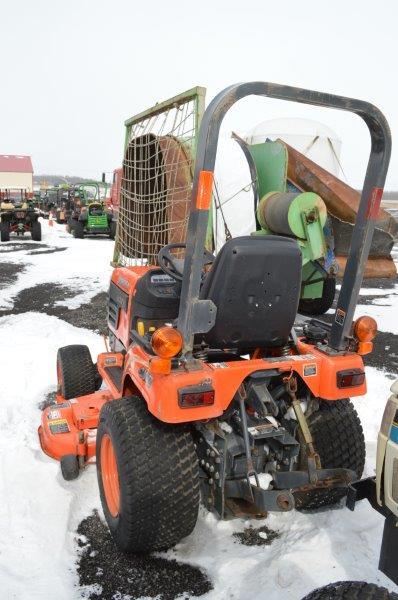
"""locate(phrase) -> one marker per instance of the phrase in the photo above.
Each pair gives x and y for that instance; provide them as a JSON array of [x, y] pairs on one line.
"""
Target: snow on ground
[[384, 310], [40, 512], [83, 265]]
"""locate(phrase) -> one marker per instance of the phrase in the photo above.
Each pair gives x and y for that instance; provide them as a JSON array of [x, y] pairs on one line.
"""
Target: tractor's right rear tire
[[338, 438], [5, 232], [351, 590], [36, 231], [76, 371], [319, 306], [148, 477], [78, 230]]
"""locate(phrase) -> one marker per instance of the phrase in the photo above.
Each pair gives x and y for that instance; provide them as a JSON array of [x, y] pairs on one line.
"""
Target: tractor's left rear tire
[[148, 477], [351, 590], [36, 231], [319, 306], [76, 372], [69, 467], [338, 439]]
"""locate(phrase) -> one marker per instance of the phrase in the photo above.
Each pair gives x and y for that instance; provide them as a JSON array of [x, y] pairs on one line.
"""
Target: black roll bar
[[196, 316]]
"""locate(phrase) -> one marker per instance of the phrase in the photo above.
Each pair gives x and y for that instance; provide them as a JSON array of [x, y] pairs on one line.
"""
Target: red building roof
[[12, 163]]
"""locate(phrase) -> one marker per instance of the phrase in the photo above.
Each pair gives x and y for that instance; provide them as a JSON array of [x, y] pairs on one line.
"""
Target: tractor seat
[[95, 211], [255, 284]]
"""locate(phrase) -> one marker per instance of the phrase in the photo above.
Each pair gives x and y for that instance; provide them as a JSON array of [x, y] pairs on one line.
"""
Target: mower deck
[[70, 426]]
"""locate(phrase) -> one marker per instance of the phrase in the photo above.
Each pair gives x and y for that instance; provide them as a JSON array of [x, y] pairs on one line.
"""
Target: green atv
[[92, 219]]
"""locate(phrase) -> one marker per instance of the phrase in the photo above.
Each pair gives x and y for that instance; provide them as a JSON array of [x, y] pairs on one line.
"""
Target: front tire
[[36, 231], [5, 232], [338, 439], [76, 371], [148, 477], [69, 467], [72, 225], [112, 228], [78, 230]]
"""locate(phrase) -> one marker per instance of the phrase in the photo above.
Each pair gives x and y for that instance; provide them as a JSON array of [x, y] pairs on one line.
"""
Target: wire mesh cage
[[157, 177]]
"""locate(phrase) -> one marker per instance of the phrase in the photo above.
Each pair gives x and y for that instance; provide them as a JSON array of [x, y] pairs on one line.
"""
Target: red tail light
[[195, 396], [350, 378]]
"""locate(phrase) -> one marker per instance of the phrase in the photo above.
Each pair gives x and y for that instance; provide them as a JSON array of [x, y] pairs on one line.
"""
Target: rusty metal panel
[[342, 201]]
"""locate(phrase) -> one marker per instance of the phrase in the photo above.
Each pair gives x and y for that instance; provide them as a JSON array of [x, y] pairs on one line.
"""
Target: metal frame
[[197, 93], [194, 314]]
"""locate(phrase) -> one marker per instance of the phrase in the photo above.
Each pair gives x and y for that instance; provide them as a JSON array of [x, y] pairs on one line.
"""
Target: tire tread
[[158, 474]]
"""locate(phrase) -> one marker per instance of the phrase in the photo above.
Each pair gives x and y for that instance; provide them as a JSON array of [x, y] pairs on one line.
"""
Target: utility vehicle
[[18, 215], [382, 493], [382, 490], [207, 384], [62, 201], [92, 219]]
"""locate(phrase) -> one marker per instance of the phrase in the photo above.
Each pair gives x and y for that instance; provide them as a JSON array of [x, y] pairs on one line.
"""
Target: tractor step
[[115, 374]]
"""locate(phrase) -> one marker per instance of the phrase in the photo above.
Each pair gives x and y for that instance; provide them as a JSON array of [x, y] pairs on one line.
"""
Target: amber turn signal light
[[166, 342], [365, 329]]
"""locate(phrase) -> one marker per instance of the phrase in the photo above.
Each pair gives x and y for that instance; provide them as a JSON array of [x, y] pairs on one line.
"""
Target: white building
[[16, 172]]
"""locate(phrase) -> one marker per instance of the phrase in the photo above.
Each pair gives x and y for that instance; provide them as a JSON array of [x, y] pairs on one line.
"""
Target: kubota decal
[[310, 370], [123, 282], [54, 414]]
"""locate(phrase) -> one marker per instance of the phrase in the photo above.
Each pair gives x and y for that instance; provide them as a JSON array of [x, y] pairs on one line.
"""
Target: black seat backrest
[[255, 284]]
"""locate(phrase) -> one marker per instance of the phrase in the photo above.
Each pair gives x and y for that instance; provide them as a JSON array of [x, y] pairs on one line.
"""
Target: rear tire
[[36, 231], [5, 232], [72, 225], [319, 306], [76, 371], [351, 590], [338, 438], [112, 232], [148, 477], [78, 230], [69, 467]]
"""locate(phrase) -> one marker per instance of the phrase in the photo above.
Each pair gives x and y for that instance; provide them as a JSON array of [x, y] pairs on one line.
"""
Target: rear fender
[[161, 392]]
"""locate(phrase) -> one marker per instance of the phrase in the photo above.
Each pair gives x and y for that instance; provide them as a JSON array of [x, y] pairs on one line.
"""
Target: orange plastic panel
[[205, 189]]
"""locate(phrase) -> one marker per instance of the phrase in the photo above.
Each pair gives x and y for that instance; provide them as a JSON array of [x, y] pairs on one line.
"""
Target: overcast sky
[[73, 70]]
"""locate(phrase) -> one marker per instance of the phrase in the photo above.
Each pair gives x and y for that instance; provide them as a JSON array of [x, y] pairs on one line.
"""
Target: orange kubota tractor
[[207, 384]]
